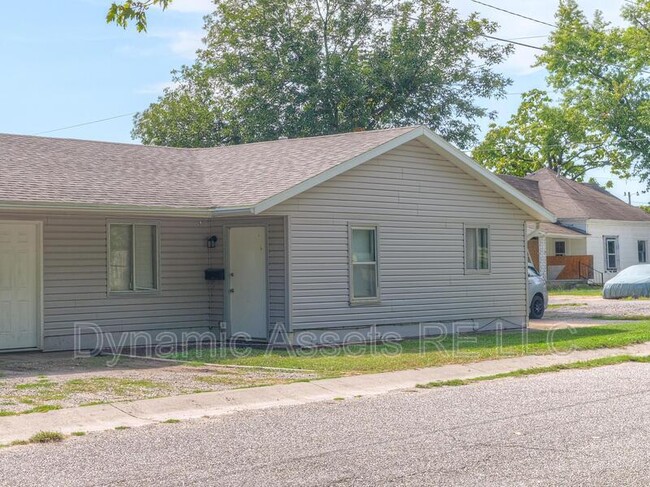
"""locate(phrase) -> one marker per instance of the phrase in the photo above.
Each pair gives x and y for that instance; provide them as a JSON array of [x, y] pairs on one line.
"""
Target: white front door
[[19, 282], [247, 281]]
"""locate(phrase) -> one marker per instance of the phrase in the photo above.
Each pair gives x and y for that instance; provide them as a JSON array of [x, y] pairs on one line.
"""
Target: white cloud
[[185, 42], [156, 88], [192, 6]]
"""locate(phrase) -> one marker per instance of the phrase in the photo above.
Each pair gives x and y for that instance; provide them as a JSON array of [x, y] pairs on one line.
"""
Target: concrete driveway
[[587, 427]]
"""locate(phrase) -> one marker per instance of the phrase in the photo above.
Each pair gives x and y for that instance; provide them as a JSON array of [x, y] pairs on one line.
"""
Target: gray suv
[[537, 294]]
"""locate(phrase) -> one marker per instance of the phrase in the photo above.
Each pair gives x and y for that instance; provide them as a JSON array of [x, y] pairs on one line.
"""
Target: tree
[[604, 72], [542, 134], [133, 10], [293, 68]]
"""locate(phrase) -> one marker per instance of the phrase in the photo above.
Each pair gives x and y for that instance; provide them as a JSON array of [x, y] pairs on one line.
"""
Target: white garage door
[[19, 286]]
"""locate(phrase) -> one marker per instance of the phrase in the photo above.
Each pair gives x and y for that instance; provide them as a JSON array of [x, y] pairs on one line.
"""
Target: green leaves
[[600, 115], [294, 68], [133, 11], [604, 73], [547, 134]]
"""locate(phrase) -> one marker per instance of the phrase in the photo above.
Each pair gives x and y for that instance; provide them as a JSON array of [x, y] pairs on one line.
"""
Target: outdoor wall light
[[212, 242]]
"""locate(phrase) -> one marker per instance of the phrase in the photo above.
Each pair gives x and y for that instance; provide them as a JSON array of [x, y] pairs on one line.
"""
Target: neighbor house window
[[132, 257], [477, 249], [611, 253], [641, 247], [560, 247], [364, 284]]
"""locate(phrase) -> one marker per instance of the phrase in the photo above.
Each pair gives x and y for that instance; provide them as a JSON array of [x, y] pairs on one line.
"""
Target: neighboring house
[[326, 235], [596, 235]]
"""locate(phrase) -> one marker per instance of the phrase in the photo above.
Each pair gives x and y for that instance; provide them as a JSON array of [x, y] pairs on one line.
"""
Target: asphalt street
[[589, 427]]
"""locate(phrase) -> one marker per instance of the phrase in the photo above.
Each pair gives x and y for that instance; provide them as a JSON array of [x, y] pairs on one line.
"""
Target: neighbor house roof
[[50, 172], [569, 199], [557, 230], [527, 186]]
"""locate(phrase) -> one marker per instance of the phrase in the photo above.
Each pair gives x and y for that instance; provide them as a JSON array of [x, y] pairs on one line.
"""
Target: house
[[332, 237], [596, 234]]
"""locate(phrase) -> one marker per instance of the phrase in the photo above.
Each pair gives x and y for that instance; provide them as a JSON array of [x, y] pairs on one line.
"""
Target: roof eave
[[239, 211], [102, 208], [564, 235]]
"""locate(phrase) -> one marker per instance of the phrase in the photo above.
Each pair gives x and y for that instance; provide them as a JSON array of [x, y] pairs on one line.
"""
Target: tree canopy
[[292, 68], [600, 77], [547, 134]]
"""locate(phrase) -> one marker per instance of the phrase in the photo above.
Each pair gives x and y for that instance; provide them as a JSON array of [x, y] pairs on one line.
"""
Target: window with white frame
[[132, 257], [611, 254], [641, 248], [364, 280], [477, 249], [560, 247]]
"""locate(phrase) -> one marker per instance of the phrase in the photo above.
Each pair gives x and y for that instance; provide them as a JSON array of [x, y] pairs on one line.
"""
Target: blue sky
[[63, 65]]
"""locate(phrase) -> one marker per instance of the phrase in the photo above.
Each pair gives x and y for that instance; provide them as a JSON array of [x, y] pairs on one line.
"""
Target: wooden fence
[[572, 264]]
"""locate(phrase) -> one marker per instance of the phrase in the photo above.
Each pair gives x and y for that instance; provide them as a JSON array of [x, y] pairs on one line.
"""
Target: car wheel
[[536, 307]]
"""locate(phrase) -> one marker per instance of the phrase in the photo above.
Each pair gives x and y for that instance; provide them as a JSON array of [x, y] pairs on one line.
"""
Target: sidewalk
[[150, 411]]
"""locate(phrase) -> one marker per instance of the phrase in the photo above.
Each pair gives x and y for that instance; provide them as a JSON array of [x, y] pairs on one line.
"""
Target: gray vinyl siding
[[75, 276], [75, 279], [420, 203]]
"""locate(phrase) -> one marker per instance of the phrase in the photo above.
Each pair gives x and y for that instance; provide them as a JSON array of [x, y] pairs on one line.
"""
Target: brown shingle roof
[[49, 170], [557, 229], [569, 199], [527, 186]]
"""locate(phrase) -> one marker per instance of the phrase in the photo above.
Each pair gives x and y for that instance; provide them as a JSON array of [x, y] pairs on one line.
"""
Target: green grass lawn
[[411, 354], [578, 291]]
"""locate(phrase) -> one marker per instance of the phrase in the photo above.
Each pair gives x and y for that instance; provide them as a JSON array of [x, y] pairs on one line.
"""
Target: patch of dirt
[[39, 382], [586, 307]]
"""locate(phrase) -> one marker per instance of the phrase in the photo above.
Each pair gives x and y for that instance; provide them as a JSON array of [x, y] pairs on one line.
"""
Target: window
[[641, 247], [611, 253], [133, 258], [364, 285], [532, 272], [560, 247], [477, 249]]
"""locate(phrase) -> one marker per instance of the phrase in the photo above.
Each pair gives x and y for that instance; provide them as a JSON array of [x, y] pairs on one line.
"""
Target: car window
[[532, 272]]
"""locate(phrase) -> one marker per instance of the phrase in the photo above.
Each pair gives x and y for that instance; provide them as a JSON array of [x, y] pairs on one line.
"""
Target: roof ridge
[[152, 146], [86, 141]]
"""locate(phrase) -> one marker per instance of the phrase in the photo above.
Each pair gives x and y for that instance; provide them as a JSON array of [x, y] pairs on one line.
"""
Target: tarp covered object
[[630, 282]]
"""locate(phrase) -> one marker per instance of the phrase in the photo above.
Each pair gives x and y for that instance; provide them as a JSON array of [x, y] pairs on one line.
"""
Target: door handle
[[232, 290]]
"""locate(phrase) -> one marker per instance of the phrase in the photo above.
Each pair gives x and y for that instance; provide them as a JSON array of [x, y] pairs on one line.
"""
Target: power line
[[546, 49], [584, 145], [529, 37], [515, 13], [512, 41], [86, 123], [529, 46]]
